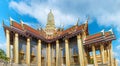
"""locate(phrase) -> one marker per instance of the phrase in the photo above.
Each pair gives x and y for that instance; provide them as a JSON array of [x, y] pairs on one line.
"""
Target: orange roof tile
[[81, 27], [73, 28], [107, 33], [42, 33], [31, 29], [94, 36], [15, 24]]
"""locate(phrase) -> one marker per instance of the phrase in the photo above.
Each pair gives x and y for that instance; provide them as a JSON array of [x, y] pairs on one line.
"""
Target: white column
[[8, 44], [39, 52], [111, 58], [94, 55], [57, 53], [108, 52], [53, 55], [49, 55], [102, 53], [80, 50], [105, 56], [61, 58], [28, 51], [16, 48], [86, 58], [67, 53]]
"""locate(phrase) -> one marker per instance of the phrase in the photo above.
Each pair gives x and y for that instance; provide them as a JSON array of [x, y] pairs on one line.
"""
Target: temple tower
[[50, 26]]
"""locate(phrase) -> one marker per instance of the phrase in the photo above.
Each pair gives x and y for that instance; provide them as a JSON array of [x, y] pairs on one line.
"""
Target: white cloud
[[3, 46], [112, 20], [40, 12], [106, 12], [118, 47], [118, 61], [115, 54]]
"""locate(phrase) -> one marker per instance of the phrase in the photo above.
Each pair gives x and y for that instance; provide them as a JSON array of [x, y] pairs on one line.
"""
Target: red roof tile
[[94, 36], [80, 27], [15, 24], [31, 29], [42, 33], [107, 33], [73, 28]]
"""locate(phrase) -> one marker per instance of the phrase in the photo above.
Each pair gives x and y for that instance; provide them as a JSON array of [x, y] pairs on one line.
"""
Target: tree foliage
[[91, 61], [3, 55]]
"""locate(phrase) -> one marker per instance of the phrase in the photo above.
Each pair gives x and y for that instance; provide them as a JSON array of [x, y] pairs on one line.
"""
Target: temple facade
[[51, 46]]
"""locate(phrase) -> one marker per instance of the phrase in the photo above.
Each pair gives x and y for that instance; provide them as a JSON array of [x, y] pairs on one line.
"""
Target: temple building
[[51, 46]]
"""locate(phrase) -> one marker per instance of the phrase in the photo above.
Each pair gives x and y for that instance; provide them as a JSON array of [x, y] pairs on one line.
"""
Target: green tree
[[91, 61], [3, 55]]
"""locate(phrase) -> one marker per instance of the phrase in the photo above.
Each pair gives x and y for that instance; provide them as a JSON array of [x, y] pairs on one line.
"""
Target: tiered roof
[[100, 37], [28, 31], [40, 34]]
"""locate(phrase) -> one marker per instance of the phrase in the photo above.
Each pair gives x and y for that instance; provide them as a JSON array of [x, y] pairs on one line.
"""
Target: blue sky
[[104, 14]]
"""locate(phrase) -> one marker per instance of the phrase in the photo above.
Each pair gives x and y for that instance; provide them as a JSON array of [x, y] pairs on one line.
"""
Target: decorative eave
[[30, 32], [99, 37], [69, 33]]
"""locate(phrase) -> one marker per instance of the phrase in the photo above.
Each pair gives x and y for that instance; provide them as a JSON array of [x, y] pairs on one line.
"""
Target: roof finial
[[77, 23], [20, 19], [50, 10], [39, 27], [62, 26], [2, 22], [21, 22], [87, 19], [103, 31], [11, 20], [111, 30]]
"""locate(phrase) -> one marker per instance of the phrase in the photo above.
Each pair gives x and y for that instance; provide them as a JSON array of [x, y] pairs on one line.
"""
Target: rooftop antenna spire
[[77, 23], [88, 18]]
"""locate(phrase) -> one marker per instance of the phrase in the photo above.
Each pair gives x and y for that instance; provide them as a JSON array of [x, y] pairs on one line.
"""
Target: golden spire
[[50, 26]]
